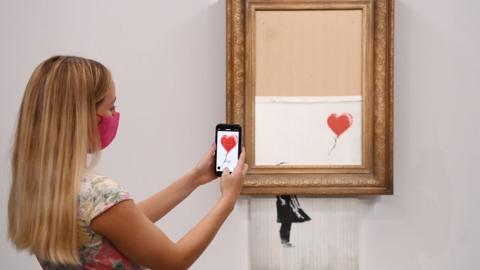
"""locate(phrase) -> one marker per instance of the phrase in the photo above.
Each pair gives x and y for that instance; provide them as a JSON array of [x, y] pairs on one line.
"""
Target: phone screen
[[227, 150]]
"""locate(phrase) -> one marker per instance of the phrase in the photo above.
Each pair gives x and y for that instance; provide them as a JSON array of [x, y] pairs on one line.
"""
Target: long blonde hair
[[56, 129]]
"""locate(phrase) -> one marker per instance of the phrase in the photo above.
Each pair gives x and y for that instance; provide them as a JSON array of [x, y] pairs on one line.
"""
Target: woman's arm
[[158, 205], [135, 236]]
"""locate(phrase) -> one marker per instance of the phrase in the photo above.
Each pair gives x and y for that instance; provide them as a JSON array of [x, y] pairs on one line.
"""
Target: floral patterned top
[[97, 194]]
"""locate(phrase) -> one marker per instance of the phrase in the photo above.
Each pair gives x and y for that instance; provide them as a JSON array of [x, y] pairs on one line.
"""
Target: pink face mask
[[107, 128]]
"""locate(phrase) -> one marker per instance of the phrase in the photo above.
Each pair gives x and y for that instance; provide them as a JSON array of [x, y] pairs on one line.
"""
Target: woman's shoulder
[[94, 182], [98, 193]]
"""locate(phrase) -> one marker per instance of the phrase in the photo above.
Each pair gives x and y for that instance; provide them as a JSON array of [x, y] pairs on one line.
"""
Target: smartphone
[[228, 139]]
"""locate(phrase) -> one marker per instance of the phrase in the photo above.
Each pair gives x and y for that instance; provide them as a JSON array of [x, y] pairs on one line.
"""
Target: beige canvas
[[308, 53]]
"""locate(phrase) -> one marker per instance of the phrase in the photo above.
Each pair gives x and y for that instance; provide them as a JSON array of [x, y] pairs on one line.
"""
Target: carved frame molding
[[380, 179]]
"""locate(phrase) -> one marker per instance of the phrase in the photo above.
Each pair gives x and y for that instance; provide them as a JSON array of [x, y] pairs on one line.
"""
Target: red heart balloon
[[228, 142], [339, 124]]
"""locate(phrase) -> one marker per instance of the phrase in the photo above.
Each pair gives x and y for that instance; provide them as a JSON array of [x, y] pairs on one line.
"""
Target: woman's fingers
[[245, 169], [225, 171], [241, 161], [210, 155], [242, 155], [212, 149]]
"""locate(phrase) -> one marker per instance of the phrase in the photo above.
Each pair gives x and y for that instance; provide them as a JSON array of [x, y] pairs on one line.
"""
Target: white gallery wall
[[168, 62]]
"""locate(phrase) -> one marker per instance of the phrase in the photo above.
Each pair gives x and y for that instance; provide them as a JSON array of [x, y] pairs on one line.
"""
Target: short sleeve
[[98, 195]]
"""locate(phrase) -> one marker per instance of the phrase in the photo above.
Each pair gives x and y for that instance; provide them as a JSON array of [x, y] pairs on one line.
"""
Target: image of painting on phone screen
[[227, 150]]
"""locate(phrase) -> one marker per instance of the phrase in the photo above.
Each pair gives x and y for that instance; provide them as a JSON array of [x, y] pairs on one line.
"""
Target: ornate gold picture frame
[[311, 83]]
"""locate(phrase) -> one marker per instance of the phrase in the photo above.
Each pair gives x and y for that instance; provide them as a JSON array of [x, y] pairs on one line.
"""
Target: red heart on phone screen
[[228, 142]]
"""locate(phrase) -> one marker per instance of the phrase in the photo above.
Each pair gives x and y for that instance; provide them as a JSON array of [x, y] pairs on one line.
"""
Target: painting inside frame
[[308, 87]]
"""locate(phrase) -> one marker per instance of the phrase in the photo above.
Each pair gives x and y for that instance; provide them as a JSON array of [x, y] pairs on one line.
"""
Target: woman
[[69, 216], [288, 212]]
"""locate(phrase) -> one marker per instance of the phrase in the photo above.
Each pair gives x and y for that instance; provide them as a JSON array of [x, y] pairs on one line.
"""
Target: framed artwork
[[311, 83]]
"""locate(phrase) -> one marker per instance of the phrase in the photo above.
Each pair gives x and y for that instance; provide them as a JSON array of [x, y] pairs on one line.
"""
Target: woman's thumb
[[225, 171]]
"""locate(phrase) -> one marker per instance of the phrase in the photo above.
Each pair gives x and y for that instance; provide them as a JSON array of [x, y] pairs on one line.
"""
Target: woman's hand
[[231, 184], [204, 171]]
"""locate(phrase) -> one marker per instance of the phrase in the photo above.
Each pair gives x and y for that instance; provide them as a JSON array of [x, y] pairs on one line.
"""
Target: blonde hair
[[56, 129]]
